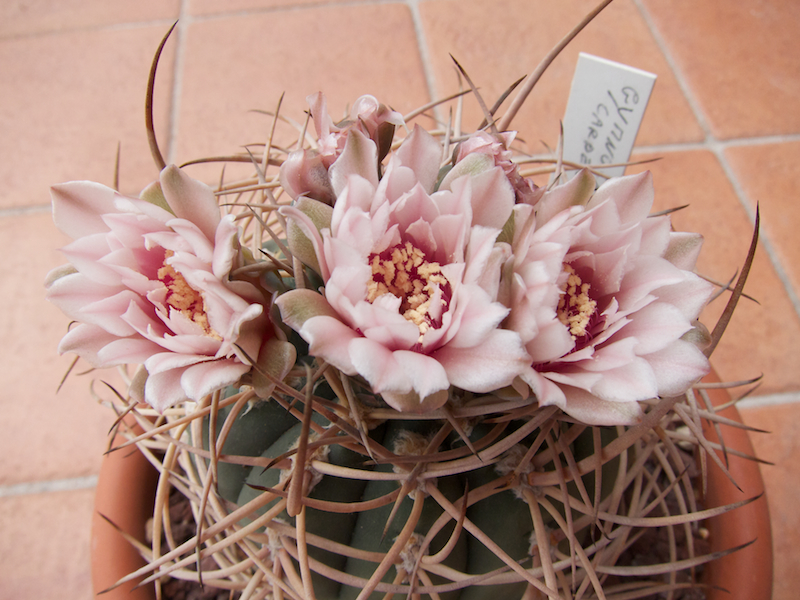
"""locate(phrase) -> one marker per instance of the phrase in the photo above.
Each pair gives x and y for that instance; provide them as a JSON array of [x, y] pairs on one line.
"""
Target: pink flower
[[150, 284], [305, 172], [367, 116], [411, 277], [627, 298], [481, 150]]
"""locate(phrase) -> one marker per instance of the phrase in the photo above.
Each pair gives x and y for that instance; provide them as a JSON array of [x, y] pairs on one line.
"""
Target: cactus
[[338, 467]]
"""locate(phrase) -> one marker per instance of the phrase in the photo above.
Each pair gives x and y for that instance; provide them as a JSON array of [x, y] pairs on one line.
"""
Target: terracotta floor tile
[[770, 176], [44, 435], [37, 16], [210, 7], [782, 482], [44, 549], [351, 50], [67, 100], [498, 42], [761, 338], [740, 60]]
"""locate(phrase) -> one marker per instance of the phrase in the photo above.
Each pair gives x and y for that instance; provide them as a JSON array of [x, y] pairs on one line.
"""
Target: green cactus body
[[369, 535], [256, 428], [503, 515]]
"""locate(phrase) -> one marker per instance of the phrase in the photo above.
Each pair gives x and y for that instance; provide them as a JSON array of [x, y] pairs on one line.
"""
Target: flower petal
[[677, 367], [591, 410], [78, 207], [330, 339], [191, 200], [492, 364]]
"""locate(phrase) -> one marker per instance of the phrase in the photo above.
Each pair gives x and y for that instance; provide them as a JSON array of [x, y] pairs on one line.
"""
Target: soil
[[184, 528], [653, 546]]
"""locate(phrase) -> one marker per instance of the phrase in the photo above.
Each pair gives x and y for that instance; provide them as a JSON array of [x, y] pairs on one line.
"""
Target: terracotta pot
[[746, 574], [126, 488], [125, 492]]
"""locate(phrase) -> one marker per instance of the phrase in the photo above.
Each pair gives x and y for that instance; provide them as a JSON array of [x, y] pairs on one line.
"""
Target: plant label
[[604, 111]]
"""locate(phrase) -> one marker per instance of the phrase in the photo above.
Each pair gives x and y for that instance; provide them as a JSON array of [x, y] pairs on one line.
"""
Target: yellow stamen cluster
[[575, 308], [406, 274], [184, 298]]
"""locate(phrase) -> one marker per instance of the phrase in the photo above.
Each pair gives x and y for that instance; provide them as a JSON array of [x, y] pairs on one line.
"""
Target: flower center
[[404, 272], [575, 307], [184, 298]]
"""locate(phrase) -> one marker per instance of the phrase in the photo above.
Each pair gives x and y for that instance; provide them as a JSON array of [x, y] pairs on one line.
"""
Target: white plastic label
[[605, 109]]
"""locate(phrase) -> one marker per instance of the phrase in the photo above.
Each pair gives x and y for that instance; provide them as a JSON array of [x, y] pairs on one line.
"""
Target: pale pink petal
[[491, 365], [677, 367], [656, 326], [87, 341], [633, 381], [78, 207], [427, 374], [330, 339], [612, 355], [86, 253], [168, 361], [398, 372], [360, 157], [397, 182], [382, 322], [552, 341], [143, 209], [199, 245], [163, 390], [576, 192], [358, 195], [450, 233], [202, 379], [423, 154], [649, 273], [591, 410], [492, 198], [421, 235], [474, 317], [479, 249], [191, 200], [573, 377], [690, 296], [656, 235], [415, 205], [129, 350], [633, 196], [225, 249], [471, 165], [547, 392]]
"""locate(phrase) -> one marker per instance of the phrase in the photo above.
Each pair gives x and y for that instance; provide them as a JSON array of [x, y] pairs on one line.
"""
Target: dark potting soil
[[184, 528]]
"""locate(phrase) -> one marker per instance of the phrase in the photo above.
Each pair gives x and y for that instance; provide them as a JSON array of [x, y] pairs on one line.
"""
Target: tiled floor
[[724, 118]]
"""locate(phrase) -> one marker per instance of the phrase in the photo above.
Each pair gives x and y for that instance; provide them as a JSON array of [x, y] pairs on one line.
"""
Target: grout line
[[184, 21], [682, 83], [424, 52], [753, 402], [53, 485], [20, 211], [718, 147], [290, 6], [87, 28]]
